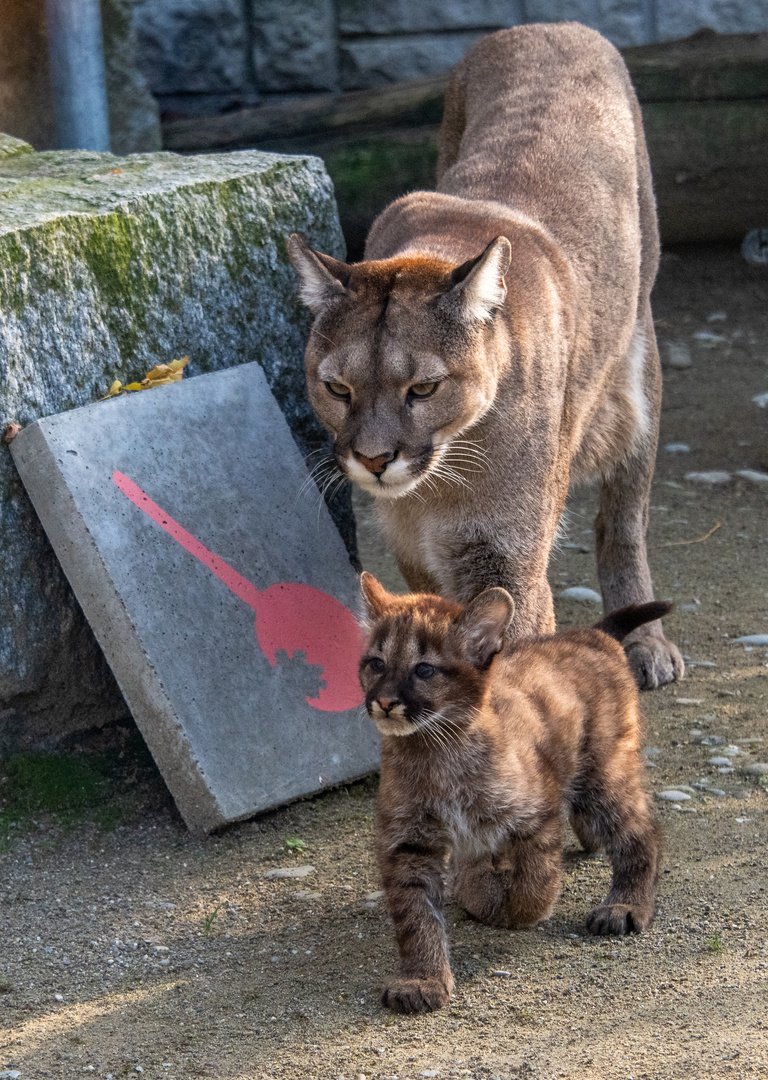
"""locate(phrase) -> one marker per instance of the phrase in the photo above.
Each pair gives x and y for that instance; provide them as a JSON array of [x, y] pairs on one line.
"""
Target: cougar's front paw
[[654, 662], [616, 920], [409, 995]]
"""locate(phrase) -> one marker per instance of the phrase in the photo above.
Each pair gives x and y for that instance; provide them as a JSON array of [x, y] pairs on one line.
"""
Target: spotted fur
[[487, 743]]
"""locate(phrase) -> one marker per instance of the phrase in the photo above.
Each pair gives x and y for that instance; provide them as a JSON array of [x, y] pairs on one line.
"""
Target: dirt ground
[[129, 947]]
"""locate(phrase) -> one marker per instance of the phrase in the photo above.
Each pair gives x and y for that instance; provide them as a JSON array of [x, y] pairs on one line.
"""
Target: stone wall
[[205, 56], [108, 266]]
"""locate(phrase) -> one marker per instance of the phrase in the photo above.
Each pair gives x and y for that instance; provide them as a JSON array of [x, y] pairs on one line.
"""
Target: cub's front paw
[[615, 920], [654, 662], [409, 995]]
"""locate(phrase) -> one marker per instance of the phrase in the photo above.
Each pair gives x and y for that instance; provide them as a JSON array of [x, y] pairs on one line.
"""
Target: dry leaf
[[160, 375], [10, 431]]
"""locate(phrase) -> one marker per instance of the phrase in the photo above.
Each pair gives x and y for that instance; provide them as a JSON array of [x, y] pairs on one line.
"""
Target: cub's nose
[[387, 703], [375, 465]]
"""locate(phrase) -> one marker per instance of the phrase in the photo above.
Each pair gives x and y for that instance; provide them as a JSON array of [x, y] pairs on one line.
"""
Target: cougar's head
[[404, 356]]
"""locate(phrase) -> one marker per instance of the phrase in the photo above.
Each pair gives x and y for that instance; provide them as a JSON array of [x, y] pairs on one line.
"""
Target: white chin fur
[[396, 480]]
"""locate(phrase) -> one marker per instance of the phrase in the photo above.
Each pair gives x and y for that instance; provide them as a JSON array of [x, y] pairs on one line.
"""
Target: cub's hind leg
[[518, 886], [620, 822]]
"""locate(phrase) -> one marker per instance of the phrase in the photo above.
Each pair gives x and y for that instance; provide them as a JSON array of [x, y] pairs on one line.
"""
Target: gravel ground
[[130, 948]]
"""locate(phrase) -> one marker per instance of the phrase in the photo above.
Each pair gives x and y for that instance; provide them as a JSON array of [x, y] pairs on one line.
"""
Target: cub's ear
[[482, 625], [322, 277], [479, 288], [375, 595]]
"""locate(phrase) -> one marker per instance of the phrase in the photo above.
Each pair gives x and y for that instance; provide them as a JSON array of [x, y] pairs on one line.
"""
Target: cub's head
[[427, 660], [405, 354]]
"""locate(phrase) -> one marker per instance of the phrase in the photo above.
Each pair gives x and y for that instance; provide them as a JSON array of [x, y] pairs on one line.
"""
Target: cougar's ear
[[375, 595], [322, 277], [478, 287], [482, 625]]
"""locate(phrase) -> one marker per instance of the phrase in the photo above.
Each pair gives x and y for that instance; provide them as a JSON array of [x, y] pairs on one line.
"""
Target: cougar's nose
[[387, 703], [375, 465]]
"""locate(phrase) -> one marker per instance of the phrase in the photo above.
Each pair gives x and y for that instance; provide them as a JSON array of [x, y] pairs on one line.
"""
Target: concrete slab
[[177, 515]]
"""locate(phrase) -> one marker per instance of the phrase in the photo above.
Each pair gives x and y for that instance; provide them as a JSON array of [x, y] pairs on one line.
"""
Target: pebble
[[688, 701], [374, 895], [708, 339], [430, 1072], [10, 1074], [674, 796], [753, 475], [719, 761], [701, 663], [751, 639], [717, 791], [761, 400], [677, 448], [754, 247], [678, 355], [726, 769], [306, 894], [717, 316], [290, 872], [758, 768], [582, 594], [650, 751], [709, 740], [715, 476]]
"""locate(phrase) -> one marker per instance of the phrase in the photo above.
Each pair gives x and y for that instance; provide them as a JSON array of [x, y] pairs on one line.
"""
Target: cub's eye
[[422, 389], [376, 664], [338, 390], [424, 671]]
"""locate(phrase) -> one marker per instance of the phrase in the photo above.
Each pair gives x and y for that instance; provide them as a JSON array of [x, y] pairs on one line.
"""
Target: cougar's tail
[[622, 622]]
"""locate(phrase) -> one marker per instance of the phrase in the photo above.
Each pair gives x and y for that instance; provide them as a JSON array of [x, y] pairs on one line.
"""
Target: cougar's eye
[[422, 389], [424, 671], [376, 664], [338, 390]]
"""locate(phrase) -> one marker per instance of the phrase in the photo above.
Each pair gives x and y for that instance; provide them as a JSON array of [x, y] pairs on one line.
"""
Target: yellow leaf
[[159, 371], [133, 386], [179, 365]]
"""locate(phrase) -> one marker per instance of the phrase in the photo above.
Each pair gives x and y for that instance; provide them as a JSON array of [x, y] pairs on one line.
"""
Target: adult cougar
[[496, 345]]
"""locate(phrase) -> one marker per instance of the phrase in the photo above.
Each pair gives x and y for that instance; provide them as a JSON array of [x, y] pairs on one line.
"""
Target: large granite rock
[[294, 45], [107, 266]]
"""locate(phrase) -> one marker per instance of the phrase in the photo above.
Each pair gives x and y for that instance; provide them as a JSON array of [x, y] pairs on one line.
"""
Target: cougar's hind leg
[[622, 523], [620, 823], [516, 888]]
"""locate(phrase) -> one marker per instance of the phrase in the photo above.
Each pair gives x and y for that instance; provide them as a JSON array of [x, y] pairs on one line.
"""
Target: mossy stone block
[[108, 266]]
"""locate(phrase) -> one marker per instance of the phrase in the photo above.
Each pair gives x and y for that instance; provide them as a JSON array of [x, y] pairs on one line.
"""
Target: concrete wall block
[[191, 46], [294, 45], [369, 62], [725, 16], [403, 16], [623, 22], [134, 118], [108, 266]]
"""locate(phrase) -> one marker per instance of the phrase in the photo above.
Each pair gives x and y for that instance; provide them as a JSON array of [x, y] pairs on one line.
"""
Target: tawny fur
[[481, 760], [520, 291]]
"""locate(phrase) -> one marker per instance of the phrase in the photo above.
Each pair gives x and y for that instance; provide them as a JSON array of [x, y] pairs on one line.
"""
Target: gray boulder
[[108, 266]]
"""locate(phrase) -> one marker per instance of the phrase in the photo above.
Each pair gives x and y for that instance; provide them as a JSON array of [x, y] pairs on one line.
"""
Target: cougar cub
[[486, 741]]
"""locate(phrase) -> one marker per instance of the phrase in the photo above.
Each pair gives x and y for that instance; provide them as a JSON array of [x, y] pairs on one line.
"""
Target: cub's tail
[[623, 621]]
